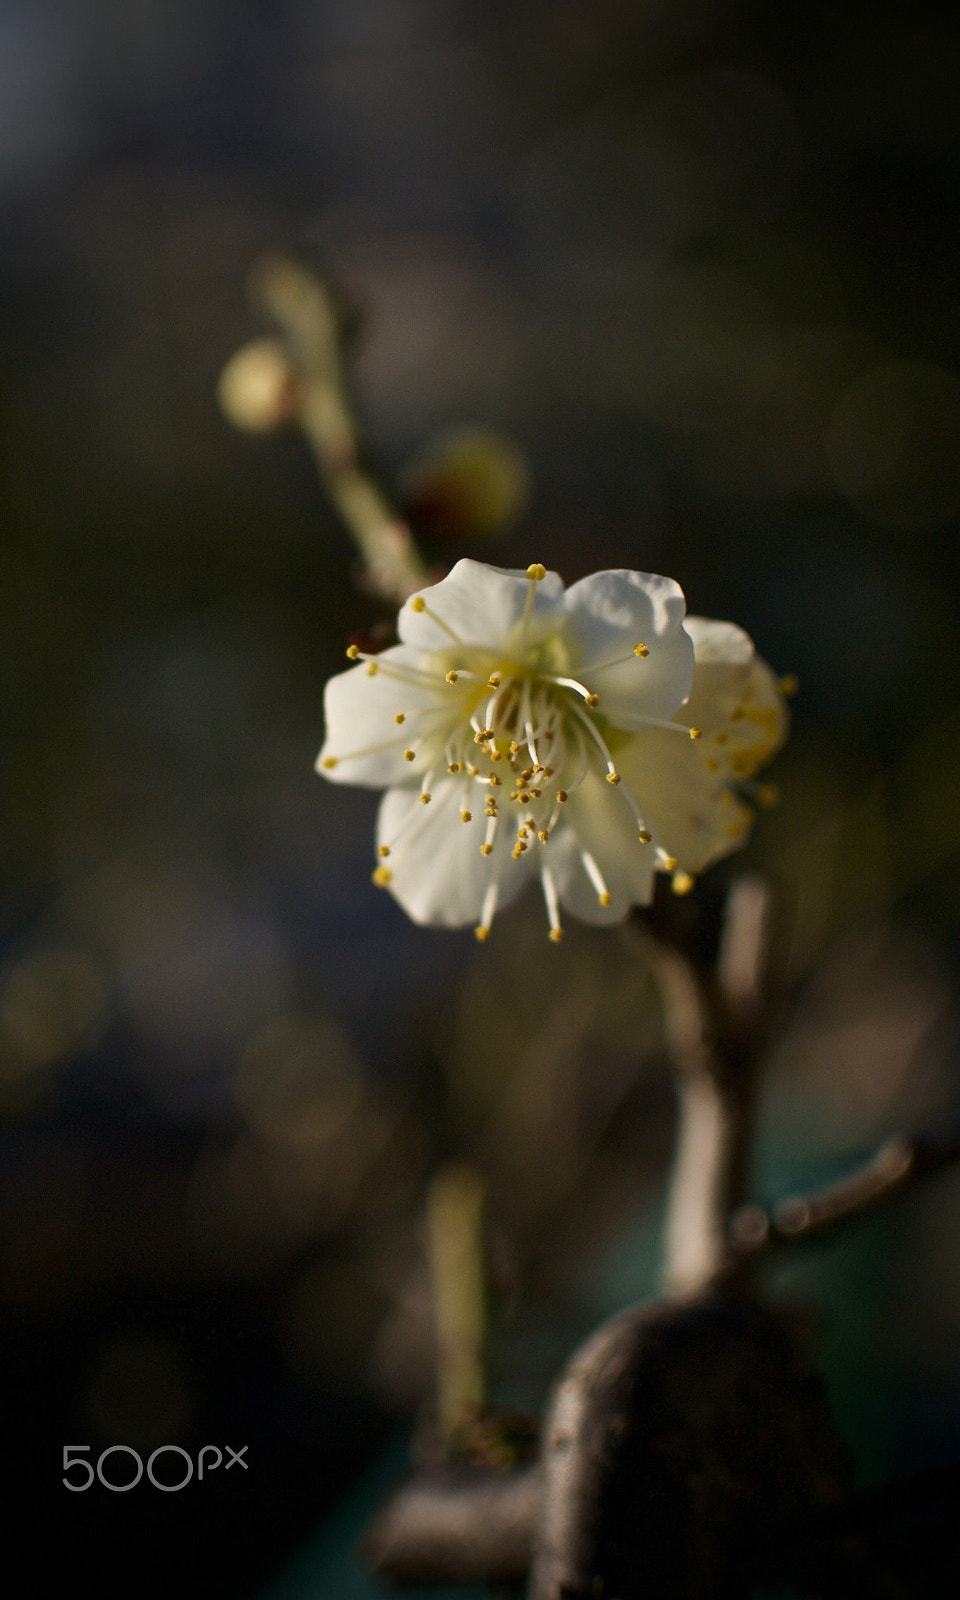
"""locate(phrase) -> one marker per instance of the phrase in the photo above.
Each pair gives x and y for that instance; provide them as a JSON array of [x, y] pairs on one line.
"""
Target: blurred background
[[698, 261]]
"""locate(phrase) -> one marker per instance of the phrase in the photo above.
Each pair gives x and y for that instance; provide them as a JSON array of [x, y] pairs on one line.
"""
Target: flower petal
[[480, 606], [598, 823], [723, 657], [757, 729], [364, 743], [437, 871], [611, 613], [691, 813]]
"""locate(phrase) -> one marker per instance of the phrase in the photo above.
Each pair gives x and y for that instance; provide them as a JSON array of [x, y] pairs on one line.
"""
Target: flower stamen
[[487, 911], [579, 688], [552, 903], [638, 653], [612, 774], [536, 572], [596, 877], [419, 605]]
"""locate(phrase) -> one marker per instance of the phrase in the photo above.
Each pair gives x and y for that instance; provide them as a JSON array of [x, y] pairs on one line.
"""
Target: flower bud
[[258, 387], [468, 484]]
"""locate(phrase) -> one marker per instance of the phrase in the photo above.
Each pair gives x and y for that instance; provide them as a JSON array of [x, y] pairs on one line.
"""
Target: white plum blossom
[[589, 737]]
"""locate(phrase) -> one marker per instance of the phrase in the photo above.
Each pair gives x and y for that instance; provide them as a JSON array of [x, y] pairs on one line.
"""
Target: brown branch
[[458, 1531], [715, 1087], [678, 1434]]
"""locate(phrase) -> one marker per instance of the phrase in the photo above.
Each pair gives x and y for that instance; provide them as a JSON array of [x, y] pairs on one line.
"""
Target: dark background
[[699, 260]]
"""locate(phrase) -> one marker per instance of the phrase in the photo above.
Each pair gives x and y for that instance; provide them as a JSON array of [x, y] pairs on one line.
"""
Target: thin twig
[[897, 1165], [455, 1228], [300, 303]]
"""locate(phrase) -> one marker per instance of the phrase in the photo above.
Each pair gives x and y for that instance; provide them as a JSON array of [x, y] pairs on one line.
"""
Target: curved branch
[[898, 1164]]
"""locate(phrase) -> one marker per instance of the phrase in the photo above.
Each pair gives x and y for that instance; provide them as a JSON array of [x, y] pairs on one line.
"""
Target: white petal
[[689, 810], [723, 657], [481, 606], [363, 739], [438, 873], [610, 614], [598, 821], [761, 724]]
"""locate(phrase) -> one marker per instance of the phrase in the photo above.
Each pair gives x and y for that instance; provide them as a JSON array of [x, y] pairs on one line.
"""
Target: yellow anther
[[790, 684], [514, 747], [543, 835], [592, 700], [518, 850], [682, 883], [399, 716], [494, 780], [521, 833], [561, 796], [536, 793], [613, 777], [486, 849], [383, 850], [454, 768], [496, 755], [644, 836], [473, 771], [694, 733], [604, 898], [372, 669], [330, 762], [481, 934], [381, 876], [425, 799], [352, 651], [452, 676], [536, 571], [418, 603], [466, 816], [670, 862], [409, 755], [483, 735], [494, 680], [524, 798], [641, 650], [555, 935]]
